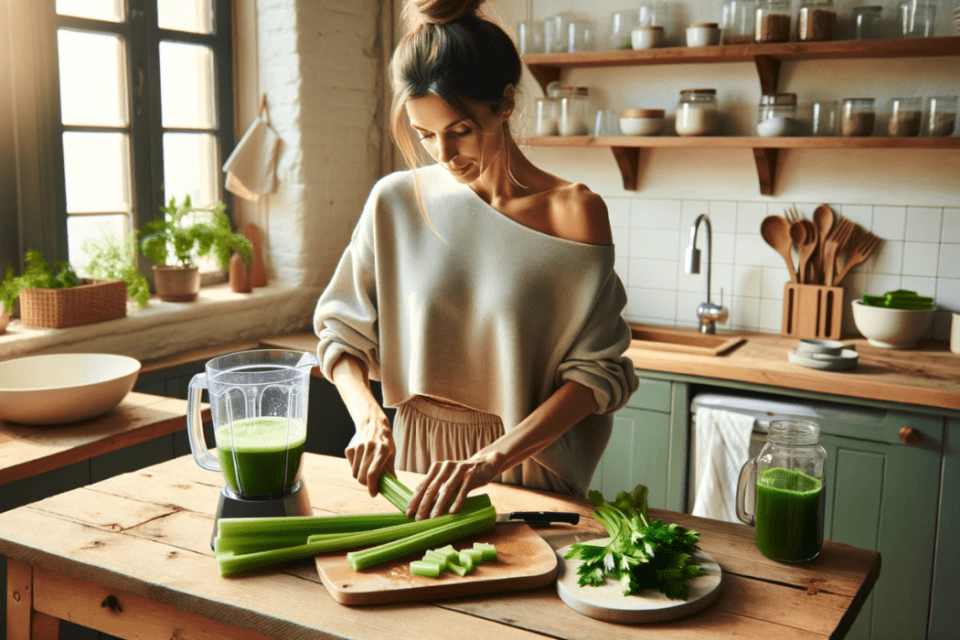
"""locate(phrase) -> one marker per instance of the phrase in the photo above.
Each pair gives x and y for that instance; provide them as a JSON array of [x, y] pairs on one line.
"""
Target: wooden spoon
[[804, 236], [824, 218], [776, 231]]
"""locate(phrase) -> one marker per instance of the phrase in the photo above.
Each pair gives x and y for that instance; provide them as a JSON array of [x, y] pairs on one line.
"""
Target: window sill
[[165, 328]]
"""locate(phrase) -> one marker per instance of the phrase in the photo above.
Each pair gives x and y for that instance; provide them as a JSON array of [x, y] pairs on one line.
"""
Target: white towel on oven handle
[[722, 446]]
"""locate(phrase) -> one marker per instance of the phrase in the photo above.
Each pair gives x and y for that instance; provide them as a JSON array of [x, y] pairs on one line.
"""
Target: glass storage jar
[[857, 116], [737, 21], [816, 21], [546, 117], [777, 115], [866, 22], [697, 113], [940, 117], [905, 117], [573, 118], [772, 22]]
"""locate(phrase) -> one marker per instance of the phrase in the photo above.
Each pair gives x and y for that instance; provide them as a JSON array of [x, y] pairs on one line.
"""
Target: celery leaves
[[641, 554]]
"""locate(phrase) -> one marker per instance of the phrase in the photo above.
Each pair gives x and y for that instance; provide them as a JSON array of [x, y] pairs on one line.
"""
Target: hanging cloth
[[251, 168]]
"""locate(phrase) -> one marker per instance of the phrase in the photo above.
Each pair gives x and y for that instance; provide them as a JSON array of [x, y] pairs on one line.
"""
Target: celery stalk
[[307, 525], [462, 525]]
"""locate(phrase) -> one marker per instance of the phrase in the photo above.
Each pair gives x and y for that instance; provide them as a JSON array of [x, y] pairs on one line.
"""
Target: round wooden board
[[607, 601]]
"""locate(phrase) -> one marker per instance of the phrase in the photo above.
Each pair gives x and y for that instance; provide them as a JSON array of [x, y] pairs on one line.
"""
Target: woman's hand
[[452, 480], [372, 450]]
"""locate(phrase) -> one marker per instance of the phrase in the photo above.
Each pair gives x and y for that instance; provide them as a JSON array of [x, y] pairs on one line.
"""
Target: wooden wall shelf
[[627, 149], [547, 68]]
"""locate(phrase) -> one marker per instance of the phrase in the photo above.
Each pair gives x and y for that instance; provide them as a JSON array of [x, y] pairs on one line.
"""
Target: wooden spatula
[[866, 244]]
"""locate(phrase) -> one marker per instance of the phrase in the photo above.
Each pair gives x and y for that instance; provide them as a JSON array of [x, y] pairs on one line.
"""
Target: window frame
[[33, 211]]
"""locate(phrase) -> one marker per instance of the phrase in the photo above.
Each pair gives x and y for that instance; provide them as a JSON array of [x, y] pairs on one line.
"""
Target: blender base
[[295, 502]]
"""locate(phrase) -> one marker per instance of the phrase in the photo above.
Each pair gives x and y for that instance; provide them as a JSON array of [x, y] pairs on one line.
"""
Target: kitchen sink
[[683, 341]]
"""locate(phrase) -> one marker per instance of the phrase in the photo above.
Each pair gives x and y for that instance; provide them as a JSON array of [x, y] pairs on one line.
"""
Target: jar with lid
[[737, 21], [790, 481], [857, 116], [697, 113], [940, 116], [772, 22], [816, 21], [574, 111], [777, 115], [905, 117]]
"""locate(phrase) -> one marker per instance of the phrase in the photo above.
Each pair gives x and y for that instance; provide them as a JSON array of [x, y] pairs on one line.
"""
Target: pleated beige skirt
[[427, 431]]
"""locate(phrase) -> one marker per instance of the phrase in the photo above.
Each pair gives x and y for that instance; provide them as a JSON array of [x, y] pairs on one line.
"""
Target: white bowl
[[891, 328], [61, 388], [703, 34], [646, 37], [641, 122]]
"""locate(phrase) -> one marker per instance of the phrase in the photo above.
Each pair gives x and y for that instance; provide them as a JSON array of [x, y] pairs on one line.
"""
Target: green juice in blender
[[262, 446], [789, 516]]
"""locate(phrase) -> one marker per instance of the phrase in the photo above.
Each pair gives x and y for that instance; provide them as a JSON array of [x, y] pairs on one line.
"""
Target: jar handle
[[747, 476], [198, 445]]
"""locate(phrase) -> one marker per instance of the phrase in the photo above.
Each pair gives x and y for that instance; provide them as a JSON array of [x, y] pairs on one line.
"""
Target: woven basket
[[85, 304]]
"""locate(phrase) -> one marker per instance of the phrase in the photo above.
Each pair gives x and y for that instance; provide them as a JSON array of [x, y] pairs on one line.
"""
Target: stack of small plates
[[827, 355]]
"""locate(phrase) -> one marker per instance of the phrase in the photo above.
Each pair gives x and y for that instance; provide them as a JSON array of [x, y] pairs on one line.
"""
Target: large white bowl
[[61, 388], [891, 328]]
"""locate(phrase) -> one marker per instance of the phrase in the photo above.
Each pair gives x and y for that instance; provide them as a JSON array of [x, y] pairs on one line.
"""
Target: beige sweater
[[490, 314]]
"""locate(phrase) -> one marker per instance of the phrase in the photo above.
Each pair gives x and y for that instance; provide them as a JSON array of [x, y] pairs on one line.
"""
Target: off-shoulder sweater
[[480, 311]]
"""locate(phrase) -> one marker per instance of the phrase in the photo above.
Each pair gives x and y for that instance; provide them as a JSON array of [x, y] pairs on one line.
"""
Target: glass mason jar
[[546, 117], [905, 117], [857, 116], [777, 115], [940, 117], [737, 21], [573, 118], [866, 22], [790, 492], [697, 113], [772, 22], [816, 21]]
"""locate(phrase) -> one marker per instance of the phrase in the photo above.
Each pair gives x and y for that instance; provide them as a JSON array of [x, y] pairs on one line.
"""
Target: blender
[[258, 402]]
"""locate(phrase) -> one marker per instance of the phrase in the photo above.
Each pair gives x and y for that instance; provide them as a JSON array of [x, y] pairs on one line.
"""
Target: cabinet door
[[882, 494]]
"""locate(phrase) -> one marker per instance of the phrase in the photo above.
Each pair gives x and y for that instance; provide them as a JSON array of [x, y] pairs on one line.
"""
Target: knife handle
[[546, 517]]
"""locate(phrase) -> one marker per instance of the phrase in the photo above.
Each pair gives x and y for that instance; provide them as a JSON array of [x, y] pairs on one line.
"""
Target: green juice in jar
[[789, 516], [262, 446]]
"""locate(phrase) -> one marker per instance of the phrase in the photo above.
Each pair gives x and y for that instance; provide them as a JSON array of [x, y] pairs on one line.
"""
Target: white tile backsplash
[[920, 251]]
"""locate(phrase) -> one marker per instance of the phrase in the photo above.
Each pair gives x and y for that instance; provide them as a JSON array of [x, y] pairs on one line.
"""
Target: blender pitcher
[[258, 402], [790, 491]]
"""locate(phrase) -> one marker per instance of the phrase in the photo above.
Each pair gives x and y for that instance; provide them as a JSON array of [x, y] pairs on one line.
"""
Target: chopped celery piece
[[461, 570], [458, 525], [466, 561], [425, 569], [489, 550], [476, 555]]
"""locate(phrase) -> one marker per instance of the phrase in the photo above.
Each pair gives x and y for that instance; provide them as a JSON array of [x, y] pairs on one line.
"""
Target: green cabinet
[[646, 448]]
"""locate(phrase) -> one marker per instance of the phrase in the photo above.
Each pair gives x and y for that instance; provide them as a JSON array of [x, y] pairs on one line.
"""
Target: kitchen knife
[[539, 517]]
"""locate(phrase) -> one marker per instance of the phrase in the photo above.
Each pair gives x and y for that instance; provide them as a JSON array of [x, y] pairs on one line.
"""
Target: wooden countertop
[[928, 375], [131, 556]]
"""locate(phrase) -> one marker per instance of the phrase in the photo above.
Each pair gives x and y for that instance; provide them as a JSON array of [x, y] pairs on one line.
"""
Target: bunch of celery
[[246, 544]]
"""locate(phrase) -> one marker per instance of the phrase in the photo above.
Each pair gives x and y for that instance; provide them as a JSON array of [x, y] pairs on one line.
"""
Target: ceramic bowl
[[61, 388], [646, 37], [703, 34], [891, 328], [641, 122]]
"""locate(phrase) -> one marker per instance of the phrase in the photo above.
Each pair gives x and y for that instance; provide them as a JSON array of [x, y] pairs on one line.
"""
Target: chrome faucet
[[708, 313]]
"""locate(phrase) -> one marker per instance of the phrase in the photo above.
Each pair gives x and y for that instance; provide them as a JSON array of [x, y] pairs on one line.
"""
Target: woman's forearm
[[349, 376]]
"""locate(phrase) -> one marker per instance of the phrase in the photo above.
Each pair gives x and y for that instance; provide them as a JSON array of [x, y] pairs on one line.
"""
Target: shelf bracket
[[766, 159], [768, 69], [544, 75], [628, 159]]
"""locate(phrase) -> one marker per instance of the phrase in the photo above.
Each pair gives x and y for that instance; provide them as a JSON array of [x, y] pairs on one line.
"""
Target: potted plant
[[113, 259], [180, 281]]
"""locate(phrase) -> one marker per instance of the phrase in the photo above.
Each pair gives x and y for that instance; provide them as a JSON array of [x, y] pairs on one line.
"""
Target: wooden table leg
[[23, 623]]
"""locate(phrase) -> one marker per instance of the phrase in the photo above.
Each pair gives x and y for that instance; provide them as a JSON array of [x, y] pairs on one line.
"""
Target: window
[[137, 109]]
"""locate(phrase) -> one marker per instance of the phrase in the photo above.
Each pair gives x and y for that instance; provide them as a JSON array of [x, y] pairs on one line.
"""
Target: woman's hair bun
[[417, 12]]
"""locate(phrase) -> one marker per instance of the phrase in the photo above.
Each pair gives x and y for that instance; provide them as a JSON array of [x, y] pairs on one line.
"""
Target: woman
[[480, 290]]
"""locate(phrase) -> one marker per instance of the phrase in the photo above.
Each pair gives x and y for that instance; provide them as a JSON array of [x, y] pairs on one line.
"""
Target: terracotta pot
[[176, 284], [240, 281], [4, 319]]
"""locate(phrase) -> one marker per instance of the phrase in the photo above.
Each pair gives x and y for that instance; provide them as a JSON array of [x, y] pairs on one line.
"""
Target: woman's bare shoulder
[[580, 214]]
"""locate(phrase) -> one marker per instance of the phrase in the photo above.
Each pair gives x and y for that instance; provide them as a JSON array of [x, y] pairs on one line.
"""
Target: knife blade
[[539, 517]]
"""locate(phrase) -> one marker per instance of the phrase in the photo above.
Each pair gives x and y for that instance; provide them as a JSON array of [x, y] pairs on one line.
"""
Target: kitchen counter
[[131, 556], [928, 375]]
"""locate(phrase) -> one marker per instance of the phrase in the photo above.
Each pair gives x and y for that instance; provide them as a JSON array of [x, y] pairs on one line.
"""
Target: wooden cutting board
[[524, 561], [607, 601]]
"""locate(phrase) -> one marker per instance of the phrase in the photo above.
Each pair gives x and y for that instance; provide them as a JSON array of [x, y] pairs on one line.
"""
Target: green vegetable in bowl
[[899, 299], [641, 554]]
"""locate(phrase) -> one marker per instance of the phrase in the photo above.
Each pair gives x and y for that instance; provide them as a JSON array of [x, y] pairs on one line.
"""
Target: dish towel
[[251, 168], [722, 446]]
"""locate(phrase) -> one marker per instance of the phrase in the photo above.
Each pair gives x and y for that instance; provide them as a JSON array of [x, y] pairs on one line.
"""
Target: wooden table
[[130, 556], [26, 451]]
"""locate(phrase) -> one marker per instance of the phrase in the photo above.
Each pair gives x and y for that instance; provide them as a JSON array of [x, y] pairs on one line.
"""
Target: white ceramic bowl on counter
[[891, 328], [64, 387], [641, 122]]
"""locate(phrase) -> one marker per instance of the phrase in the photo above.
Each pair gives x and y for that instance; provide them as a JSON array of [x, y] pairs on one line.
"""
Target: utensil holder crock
[[812, 311]]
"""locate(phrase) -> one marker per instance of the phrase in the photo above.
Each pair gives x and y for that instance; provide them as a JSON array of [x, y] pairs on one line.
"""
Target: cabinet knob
[[909, 435]]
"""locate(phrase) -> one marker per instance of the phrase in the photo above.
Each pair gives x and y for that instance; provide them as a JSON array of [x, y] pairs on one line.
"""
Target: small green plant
[[36, 275], [113, 259], [205, 238]]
